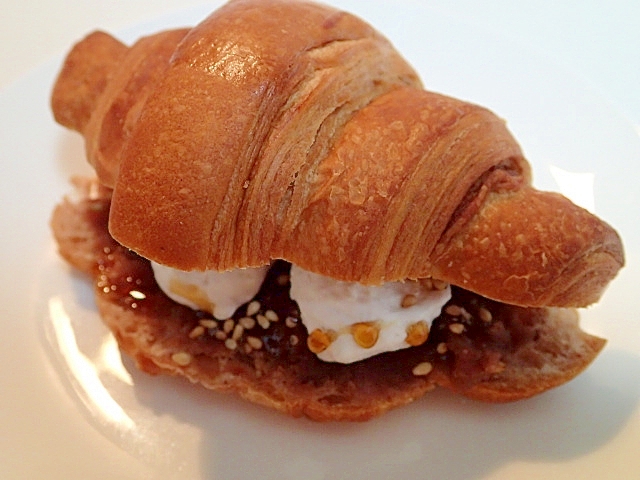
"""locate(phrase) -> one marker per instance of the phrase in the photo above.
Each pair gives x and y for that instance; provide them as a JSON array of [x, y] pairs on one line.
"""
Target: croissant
[[314, 143], [280, 130]]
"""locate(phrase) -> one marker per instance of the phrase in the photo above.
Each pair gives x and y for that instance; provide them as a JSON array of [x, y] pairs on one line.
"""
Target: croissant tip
[[83, 78]]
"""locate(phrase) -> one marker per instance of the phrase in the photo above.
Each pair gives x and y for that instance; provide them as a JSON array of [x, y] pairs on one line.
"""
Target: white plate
[[70, 407]]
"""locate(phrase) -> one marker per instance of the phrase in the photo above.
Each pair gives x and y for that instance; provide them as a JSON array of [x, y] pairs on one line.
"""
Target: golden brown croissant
[[312, 141], [289, 130]]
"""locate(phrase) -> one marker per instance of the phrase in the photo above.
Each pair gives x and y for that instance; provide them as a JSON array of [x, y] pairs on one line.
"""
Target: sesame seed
[[293, 339], [417, 333], [137, 294], [408, 301], [181, 358], [247, 322], [262, 321], [453, 310], [456, 328], [422, 369], [365, 334], [196, 332], [221, 335], [231, 344], [255, 342], [237, 332], [291, 322], [442, 348], [485, 315], [457, 311], [208, 323], [271, 316], [247, 348], [253, 308], [228, 325], [319, 340]]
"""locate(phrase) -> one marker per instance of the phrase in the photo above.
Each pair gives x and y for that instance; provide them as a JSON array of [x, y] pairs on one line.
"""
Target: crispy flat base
[[525, 351]]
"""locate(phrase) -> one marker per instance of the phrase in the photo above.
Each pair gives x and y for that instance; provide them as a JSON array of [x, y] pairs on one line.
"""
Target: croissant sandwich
[[280, 210]]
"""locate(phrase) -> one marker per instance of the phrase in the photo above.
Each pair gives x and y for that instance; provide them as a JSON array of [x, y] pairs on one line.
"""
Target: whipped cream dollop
[[219, 293], [349, 321]]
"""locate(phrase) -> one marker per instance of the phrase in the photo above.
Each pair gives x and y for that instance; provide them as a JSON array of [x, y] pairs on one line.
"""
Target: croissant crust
[[278, 129]]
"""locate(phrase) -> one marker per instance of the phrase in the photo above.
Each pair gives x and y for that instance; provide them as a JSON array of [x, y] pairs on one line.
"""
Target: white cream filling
[[337, 309], [219, 293], [328, 305]]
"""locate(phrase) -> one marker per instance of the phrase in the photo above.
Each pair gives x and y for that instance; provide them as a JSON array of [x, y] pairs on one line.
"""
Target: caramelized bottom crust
[[477, 347]]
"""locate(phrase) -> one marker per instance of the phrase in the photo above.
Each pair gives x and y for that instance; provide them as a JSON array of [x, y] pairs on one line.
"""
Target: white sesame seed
[[231, 344], [237, 332], [247, 322], [137, 294], [228, 325], [422, 369], [196, 332], [485, 315], [457, 328], [262, 321], [253, 308], [221, 335], [181, 358], [271, 316], [255, 342], [208, 323], [290, 322], [408, 301]]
